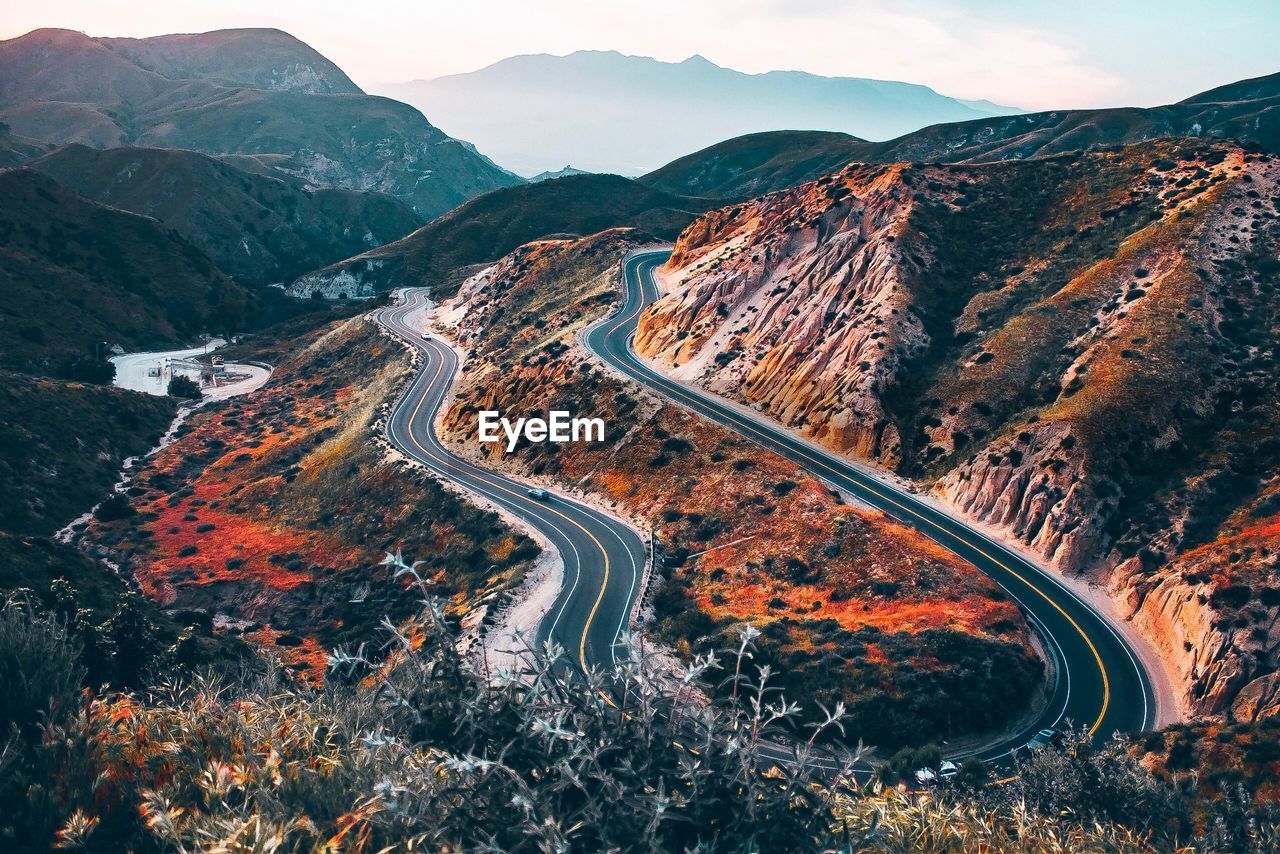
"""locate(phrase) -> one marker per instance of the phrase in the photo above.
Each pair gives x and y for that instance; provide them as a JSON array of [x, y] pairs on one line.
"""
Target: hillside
[[258, 229], [1248, 111], [77, 278], [243, 92], [269, 514], [62, 446], [758, 163], [53, 467], [16, 150], [536, 113], [852, 607], [260, 58], [1077, 350], [332, 753], [566, 172], [492, 225]]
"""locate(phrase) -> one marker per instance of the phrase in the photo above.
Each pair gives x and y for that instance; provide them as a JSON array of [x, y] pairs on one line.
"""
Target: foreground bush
[[418, 747]]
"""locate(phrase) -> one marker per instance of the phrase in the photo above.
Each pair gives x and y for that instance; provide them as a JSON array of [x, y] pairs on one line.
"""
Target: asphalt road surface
[[1098, 680], [603, 557]]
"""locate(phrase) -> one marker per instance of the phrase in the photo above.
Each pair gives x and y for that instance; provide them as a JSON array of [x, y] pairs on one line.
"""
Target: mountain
[[1078, 350], [751, 165], [16, 150], [259, 58], [533, 113], [486, 228], [77, 277], [239, 92], [566, 172], [259, 229]]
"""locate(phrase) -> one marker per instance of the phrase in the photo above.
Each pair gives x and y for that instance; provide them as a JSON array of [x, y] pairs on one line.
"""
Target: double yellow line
[[444, 464], [672, 387]]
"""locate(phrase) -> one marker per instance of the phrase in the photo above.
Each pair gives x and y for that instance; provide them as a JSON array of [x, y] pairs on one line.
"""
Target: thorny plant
[[418, 746], [545, 758]]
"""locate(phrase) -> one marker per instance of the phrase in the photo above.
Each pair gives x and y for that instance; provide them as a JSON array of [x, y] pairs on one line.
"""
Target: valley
[[892, 472], [841, 594]]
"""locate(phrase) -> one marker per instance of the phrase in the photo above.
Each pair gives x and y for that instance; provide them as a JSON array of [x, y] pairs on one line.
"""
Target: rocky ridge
[[258, 95], [1077, 350]]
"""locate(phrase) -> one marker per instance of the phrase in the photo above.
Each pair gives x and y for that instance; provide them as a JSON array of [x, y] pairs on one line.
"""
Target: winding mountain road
[[1098, 680], [603, 557]]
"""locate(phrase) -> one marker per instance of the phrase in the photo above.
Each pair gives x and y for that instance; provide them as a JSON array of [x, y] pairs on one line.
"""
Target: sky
[[1035, 55]]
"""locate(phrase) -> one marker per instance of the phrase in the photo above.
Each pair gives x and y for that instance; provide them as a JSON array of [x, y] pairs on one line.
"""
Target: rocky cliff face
[[802, 303], [1213, 609], [360, 280], [1077, 350]]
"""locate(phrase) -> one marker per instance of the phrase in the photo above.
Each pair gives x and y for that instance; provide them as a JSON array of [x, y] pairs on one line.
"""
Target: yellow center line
[[582, 643], [672, 386]]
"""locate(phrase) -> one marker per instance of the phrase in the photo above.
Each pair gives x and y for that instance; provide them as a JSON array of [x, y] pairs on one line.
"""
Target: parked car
[[1045, 738], [944, 773], [539, 494]]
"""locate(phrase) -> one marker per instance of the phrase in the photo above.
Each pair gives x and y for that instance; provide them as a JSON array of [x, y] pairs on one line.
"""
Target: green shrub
[[184, 387], [39, 667]]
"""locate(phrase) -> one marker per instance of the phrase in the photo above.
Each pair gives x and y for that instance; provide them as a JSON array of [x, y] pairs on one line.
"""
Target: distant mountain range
[[535, 113], [259, 94], [1248, 110]]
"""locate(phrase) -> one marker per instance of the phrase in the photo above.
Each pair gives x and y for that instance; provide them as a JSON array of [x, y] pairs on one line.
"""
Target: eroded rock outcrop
[[1079, 351], [802, 303]]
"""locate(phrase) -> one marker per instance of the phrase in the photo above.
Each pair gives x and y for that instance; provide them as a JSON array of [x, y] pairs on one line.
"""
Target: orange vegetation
[[816, 575], [270, 514]]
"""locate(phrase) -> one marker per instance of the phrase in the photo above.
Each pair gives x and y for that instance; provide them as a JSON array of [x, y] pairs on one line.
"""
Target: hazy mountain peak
[[53, 35], [698, 59], [533, 113]]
